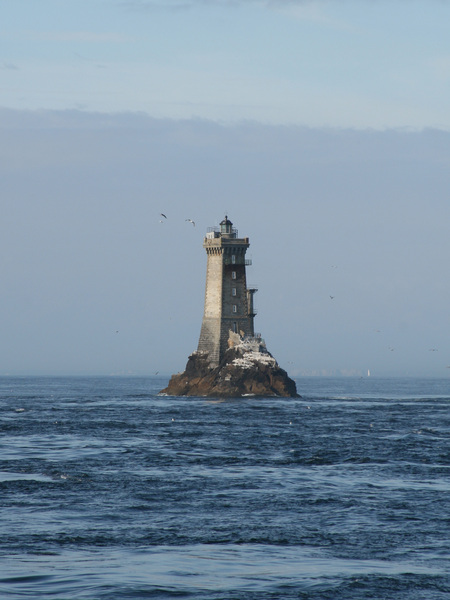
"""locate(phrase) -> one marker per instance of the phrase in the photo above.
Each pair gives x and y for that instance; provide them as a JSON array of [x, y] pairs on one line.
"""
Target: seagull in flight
[[332, 297], [163, 215], [191, 221]]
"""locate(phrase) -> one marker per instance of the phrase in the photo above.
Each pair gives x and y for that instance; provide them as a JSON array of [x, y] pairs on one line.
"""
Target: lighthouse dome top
[[226, 227], [226, 232]]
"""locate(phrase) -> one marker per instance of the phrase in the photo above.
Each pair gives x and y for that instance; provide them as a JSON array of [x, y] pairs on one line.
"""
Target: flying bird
[[163, 215], [332, 297], [191, 221]]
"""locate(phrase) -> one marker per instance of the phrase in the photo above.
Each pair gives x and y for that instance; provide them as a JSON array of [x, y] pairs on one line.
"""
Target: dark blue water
[[108, 491]]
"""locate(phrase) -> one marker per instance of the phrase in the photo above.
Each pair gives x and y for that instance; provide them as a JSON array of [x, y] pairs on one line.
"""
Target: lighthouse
[[231, 361], [229, 305]]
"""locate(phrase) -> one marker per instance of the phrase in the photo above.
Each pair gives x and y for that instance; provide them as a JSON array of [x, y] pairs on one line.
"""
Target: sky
[[320, 127]]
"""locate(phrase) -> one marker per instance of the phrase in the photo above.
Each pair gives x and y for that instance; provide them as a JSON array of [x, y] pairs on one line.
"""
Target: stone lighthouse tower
[[230, 360], [228, 299]]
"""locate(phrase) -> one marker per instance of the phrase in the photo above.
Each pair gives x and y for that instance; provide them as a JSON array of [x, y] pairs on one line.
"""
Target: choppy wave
[[110, 491]]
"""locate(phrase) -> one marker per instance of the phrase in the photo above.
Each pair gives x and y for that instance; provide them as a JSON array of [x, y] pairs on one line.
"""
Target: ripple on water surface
[[109, 491], [199, 571]]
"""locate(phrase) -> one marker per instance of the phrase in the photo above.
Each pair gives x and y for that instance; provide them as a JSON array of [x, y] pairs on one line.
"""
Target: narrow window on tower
[[233, 259], [235, 327], [233, 274], [233, 291], [234, 308]]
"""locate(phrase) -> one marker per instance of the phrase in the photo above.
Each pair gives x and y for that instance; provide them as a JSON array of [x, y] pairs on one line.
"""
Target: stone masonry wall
[[226, 303]]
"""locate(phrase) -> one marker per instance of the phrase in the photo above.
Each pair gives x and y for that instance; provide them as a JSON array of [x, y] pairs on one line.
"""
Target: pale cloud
[[146, 5], [66, 36], [186, 4], [9, 66], [315, 62], [176, 5], [310, 11], [78, 36]]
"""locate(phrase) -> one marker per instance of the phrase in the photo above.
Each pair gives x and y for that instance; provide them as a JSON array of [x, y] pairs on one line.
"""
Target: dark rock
[[247, 369]]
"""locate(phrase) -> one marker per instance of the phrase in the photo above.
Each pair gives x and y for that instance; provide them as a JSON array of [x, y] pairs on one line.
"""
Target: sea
[[111, 491]]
